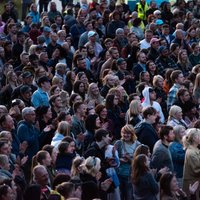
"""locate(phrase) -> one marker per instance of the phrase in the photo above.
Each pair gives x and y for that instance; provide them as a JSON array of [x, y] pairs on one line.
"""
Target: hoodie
[[155, 104]]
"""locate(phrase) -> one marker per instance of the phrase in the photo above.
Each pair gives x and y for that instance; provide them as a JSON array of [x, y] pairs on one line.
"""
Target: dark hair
[[149, 111], [132, 96], [49, 148], [173, 47], [65, 189], [60, 178], [42, 110], [175, 74], [181, 92], [90, 122], [137, 22], [197, 124], [76, 88], [99, 134], [77, 106], [62, 147], [109, 101], [71, 99], [62, 115], [164, 131], [139, 167], [165, 181], [32, 192], [141, 149], [53, 98], [53, 88], [67, 139]]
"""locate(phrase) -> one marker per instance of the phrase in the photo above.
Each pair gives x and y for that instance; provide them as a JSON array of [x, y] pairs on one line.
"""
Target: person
[[145, 128], [144, 184], [177, 152], [40, 97], [169, 188], [126, 147], [192, 162], [161, 156], [196, 92]]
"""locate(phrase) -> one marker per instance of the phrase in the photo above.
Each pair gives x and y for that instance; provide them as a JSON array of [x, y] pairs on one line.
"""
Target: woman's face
[[160, 83], [77, 99], [191, 87], [48, 115], [152, 66], [139, 107], [103, 113], [146, 77], [179, 115], [42, 72], [84, 79], [127, 136], [71, 147], [192, 33], [14, 77], [174, 184], [73, 76], [56, 91], [94, 89], [91, 49], [116, 100], [30, 42], [81, 88], [98, 122]]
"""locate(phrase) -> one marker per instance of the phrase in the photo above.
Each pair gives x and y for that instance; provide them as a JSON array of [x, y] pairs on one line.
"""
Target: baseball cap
[[120, 61], [162, 48], [159, 22], [47, 29], [91, 34], [24, 89], [154, 40], [27, 74]]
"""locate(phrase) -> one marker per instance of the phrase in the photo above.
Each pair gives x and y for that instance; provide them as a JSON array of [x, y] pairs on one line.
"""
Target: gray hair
[[119, 30], [27, 110]]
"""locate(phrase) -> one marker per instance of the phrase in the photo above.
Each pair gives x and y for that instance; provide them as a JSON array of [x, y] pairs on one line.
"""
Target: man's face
[[115, 54], [123, 65], [152, 118], [166, 31], [152, 96], [82, 110], [27, 95], [180, 79], [46, 86], [21, 39], [81, 64], [45, 58], [42, 177], [30, 117], [142, 58], [108, 44], [9, 123], [25, 59], [5, 149], [59, 20], [170, 137], [148, 36], [165, 53]]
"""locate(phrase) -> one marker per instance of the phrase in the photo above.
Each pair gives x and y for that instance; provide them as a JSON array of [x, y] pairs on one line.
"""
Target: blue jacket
[[178, 157], [35, 16], [27, 132]]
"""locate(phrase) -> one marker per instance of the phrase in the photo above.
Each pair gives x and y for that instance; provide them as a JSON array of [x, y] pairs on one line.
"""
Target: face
[[78, 99], [179, 115], [56, 91], [68, 119], [111, 81], [54, 155], [58, 102], [48, 115], [174, 184], [83, 110], [184, 56], [127, 136], [94, 89], [31, 117], [107, 139], [152, 66], [28, 80], [47, 160], [142, 58], [5, 149], [146, 77], [186, 96], [160, 82], [71, 147], [191, 87], [91, 49], [152, 118], [25, 59], [180, 79], [116, 100], [46, 86], [81, 88], [103, 113], [139, 107], [115, 54], [152, 96], [82, 64], [9, 123], [148, 36], [171, 136], [42, 177], [98, 122], [123, 65]]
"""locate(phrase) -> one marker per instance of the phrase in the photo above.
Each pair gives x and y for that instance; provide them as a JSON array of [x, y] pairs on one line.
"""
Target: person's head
[[142, 58], [71, 144], [66, 189], [101, 111], [168, 184], [175, 112], [150, 114], [189, 86], [111, 101], [179, 132], [44, 83], [6, 135], [163, 51], [182, 56], [43, 158], [140, 165], [165, 29], [149, 94], [28, 114], [144, 76], [102, 136], [109, 80], [183, 95], [27, 78], [142, 149], [128, 133], [40, 175], [55, 90], [52, 152], [197, 81], [192, 137], [81, 63], [6, 122], [64, 128], [79, 87], [32, 192], [80, 109], [174, 49], [114, 53], [6, 192], [179, 34], [148, 35], [177, 77], [166, 133], [44, 112], [60, 178], [74, 98], [135, 108], [4, 162], [154, 42], [92, 165], [158, 81], [92, 122], [55, 101]]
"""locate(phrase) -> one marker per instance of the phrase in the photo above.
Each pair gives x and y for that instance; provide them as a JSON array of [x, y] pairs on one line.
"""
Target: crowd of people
[[98, 101]]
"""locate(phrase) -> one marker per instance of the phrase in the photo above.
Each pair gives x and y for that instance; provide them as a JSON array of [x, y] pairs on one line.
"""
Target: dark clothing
[[5, 96], [104, 91], [134, 120], [112, 26], [153, 54], [146, 134], [87, 72], [16, 52], [50, 49], [137, 69]]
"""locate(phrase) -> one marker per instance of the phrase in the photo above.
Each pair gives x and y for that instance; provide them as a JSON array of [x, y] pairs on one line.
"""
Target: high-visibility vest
[[142, 12]]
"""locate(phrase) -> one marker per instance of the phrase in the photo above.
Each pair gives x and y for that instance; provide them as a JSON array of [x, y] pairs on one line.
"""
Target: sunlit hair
[[128, 128]]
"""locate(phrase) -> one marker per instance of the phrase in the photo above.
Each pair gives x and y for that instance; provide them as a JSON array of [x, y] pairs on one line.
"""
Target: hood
[[145, 94]]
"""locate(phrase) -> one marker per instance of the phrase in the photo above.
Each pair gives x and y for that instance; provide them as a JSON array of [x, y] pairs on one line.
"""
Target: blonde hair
[[173, 110], [92, 165], [190, 137], [128, 128], [75, 165], [64, 128], [133, 108], [177, 129], [156, 78], [197, 82]]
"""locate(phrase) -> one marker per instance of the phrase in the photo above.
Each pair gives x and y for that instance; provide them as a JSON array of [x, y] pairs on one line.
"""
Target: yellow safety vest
[[142, 12]]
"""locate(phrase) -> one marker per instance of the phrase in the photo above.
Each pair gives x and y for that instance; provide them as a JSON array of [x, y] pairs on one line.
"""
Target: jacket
[[142, 10], [146, 134]]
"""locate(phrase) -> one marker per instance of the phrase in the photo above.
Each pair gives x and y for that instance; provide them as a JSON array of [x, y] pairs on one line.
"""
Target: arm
[[153, 184]]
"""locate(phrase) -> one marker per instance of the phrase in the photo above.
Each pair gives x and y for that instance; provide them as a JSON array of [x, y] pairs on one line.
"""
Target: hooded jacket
[[155, 104]]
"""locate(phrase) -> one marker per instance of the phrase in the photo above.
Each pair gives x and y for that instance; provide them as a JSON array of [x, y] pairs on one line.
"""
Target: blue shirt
[[40, 98]]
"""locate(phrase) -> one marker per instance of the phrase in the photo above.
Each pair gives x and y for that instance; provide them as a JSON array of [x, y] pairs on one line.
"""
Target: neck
[[148, 121], [100, 144], [165, 142], [78, 116]]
